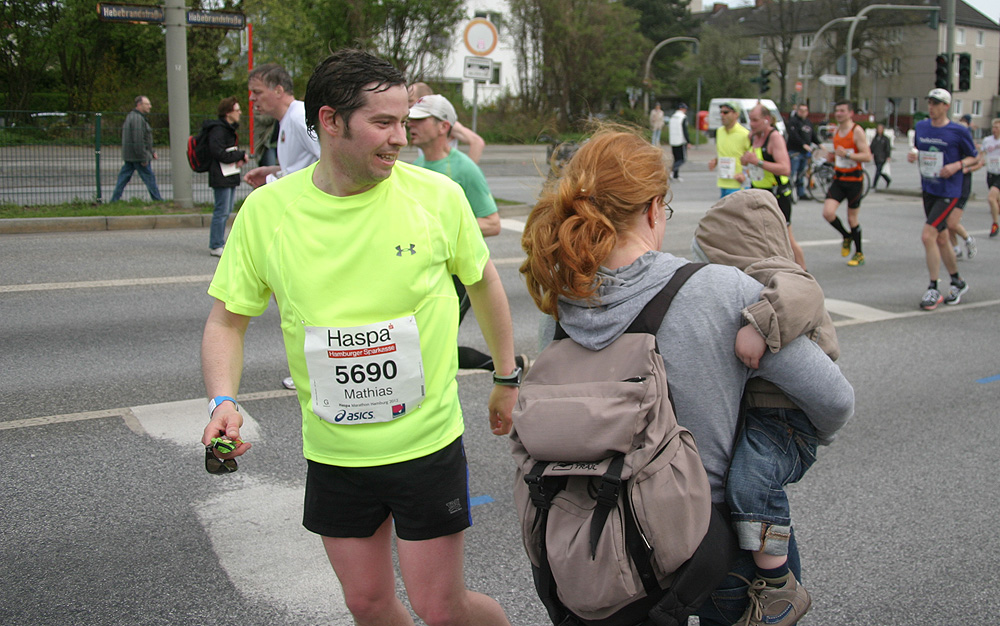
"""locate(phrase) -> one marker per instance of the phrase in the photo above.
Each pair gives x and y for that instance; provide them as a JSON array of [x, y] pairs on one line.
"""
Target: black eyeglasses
[[215, 465], [667, 211], [724, 112]]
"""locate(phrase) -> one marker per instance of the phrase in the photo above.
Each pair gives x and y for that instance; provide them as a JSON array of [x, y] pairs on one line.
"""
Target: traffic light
[[964, 71], [941, 71], [765, 82], [933, 19]]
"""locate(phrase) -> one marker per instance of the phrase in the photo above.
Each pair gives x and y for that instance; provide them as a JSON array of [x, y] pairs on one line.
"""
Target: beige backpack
[[614, 502]]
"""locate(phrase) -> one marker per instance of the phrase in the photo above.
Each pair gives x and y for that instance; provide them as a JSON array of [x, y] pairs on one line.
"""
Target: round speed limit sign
[[480, 36]]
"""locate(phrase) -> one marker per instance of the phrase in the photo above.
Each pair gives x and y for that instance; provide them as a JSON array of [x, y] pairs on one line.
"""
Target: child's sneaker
[[775, 606]]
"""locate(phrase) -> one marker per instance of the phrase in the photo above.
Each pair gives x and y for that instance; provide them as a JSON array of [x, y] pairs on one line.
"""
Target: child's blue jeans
[[775, 448]]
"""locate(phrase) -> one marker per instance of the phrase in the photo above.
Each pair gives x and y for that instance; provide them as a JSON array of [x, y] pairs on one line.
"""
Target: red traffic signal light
[[941, 71]]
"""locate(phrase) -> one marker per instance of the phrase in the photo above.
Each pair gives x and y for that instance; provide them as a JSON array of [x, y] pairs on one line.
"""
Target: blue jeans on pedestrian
[[799, 162], [145, 173], [223, 207], [656, 136], [774, 449], [728, 602]]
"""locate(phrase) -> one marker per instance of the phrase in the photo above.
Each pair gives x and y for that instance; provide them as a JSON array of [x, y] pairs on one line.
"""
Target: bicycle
[[819, 175]]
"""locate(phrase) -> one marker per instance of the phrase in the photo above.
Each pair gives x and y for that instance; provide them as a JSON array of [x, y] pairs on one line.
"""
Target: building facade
[[892, 86]]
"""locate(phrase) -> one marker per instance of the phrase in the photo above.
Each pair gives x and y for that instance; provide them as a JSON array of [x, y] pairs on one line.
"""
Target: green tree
[[660, 20], [27, 47], [590, 51], [718, 65]]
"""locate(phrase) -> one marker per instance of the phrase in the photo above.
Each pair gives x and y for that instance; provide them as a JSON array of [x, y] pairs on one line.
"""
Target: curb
[[28, 225]]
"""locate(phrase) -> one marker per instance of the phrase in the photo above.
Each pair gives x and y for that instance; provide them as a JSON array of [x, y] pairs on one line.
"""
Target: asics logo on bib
[[354, 340], [344, 416], [412, 250]]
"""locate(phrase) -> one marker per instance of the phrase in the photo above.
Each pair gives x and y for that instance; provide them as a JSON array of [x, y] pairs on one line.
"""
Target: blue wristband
[[216, 401]]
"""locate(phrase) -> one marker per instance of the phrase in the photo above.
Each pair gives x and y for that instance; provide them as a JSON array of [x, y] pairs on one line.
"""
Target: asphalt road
[[108, 517]]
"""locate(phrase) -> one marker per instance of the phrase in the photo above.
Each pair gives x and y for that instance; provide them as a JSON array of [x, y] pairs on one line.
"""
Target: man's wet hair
[[343, 80]]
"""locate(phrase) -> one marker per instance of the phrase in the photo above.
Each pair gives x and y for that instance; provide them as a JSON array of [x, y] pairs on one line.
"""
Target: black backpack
[[197, 148], [614, 502]]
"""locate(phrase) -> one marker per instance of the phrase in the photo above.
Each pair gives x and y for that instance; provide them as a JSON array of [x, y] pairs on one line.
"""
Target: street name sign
[[833, 80]]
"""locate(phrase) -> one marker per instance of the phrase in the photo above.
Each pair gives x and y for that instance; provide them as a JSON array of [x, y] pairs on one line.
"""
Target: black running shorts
[[849, 190], [937, 210], [427, 497]]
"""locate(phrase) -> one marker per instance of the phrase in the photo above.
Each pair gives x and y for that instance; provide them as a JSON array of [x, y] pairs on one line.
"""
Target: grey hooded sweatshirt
[[696, 340]]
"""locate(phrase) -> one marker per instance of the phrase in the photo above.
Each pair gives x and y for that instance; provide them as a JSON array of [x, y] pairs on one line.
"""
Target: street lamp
[[649, 60], [859, 17]]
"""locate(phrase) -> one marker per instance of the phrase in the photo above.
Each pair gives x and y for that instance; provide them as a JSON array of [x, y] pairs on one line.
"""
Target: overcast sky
[[989, 8]]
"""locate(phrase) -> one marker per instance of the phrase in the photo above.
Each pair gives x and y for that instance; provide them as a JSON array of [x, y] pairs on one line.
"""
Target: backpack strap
[[607, 499], [651, 316]]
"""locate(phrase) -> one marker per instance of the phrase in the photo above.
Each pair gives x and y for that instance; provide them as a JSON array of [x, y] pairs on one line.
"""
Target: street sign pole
[[175, 26]]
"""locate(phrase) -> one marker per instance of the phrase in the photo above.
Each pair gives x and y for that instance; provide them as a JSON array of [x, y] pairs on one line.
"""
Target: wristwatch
[[216, 401], [510, 380]]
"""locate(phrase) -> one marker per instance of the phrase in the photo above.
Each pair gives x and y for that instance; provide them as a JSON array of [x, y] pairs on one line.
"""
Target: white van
[[715, 119]]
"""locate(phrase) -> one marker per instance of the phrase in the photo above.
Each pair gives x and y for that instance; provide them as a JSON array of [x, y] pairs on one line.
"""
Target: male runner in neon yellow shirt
[[731, 141], [358, 252]]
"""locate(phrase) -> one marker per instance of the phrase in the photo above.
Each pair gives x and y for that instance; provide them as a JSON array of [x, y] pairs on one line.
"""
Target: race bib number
[[993, 163], [365, 374], [727, 167], [930, 163], [845, 162], [756, 173]]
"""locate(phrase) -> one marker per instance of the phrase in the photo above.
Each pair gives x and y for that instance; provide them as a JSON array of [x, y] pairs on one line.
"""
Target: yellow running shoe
[[856, 260], [845, 250]]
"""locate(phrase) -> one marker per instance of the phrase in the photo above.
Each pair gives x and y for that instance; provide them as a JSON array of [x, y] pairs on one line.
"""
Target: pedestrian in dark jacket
[[137, 150], [881, 153], [224, 170]]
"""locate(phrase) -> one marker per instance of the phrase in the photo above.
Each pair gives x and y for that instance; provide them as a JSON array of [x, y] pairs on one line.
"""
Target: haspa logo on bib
[[365, 339]]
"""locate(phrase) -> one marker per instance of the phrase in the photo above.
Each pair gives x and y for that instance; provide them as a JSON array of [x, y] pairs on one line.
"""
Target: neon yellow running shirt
[[345, 262]]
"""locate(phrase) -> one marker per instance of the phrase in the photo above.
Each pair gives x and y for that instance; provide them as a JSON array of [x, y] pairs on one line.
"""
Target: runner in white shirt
[[991, 153], [271, 94]]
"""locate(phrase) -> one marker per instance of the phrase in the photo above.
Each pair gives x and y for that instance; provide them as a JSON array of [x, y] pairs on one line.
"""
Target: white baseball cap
[[941, 95], [434, 106]]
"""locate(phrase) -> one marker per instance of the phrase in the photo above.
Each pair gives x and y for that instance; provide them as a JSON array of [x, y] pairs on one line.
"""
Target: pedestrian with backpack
[[594, 262], [777, 443], [226, 158]]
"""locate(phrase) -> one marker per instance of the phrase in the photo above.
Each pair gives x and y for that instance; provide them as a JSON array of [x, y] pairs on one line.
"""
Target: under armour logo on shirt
[[400, 250]]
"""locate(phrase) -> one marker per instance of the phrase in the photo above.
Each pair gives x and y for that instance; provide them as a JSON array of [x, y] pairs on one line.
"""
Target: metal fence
[[57, 157]]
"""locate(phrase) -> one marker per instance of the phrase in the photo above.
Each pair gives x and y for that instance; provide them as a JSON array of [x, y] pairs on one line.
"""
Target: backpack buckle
[[608, 492]]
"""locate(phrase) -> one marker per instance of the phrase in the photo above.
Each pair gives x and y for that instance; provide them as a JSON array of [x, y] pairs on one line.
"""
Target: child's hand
[[750, 346]]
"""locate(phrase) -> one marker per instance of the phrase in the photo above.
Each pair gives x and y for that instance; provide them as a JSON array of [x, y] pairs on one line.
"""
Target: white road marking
[[123, 282], [512, 224], [256, 533]]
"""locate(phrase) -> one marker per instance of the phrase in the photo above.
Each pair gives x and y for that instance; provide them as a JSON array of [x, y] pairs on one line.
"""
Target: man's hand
[[749, 158], [502, 401], [712, 164], [750, 346], [226, 422], [258, 175]]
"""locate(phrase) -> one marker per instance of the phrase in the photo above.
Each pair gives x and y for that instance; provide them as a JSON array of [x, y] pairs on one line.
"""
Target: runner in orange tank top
[[850, 151]]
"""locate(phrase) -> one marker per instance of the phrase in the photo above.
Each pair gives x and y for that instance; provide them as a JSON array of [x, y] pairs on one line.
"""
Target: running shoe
[[994, 229], [845, 249], [288, 383], [970, 247], [932, 298], [775, 606], [958, 252], [956, 292], [856, 260]]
